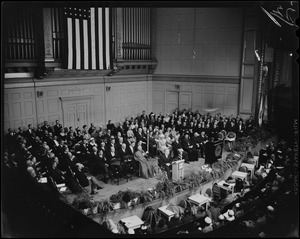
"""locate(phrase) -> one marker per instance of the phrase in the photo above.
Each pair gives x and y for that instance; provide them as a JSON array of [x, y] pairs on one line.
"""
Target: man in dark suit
[[196, 140], [203, 141], [60, 177], [91, 129], [110, 126], [177, 146], [240, 129], [10, 138], [82, 152], [165, 161], [57, 128], [29, 134], [188, 146], [47, 127], [209, 152]]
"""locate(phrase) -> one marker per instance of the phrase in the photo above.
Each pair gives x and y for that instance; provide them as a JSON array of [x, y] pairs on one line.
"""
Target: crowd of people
[[145, 142], [148, 143]]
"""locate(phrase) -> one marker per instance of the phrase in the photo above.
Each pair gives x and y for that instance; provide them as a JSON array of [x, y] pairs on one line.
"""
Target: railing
[[57, 32], [136, 34], [20, 37]]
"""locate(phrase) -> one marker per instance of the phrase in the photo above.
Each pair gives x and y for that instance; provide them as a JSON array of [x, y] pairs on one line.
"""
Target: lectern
[[177, 170], [213, 151]]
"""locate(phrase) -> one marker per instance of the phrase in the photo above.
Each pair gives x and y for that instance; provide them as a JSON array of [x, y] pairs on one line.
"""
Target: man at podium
[[165, 161], [210, 152]]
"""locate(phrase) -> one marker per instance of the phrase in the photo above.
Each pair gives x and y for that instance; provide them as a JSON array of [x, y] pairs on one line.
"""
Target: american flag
[[88, 38]]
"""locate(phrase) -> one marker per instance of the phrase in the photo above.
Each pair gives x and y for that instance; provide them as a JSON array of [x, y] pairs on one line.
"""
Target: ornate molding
[[48, 35], [119, 33], [198, 78]]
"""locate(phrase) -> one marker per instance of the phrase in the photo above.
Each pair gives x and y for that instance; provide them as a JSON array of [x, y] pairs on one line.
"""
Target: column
[[47, 23]]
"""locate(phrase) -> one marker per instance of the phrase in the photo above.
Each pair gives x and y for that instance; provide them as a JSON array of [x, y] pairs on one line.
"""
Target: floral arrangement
[[82, 203]]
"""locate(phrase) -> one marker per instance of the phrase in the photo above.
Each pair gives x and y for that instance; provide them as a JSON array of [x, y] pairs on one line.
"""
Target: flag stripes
[[88, 38], [260, 113]]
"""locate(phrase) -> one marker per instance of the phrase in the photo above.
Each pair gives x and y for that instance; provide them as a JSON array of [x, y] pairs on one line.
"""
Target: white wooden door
[[77, 113], [172, 100], [185, 100]]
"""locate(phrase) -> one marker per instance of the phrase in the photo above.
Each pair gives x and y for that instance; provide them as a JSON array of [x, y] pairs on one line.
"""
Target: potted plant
[[82, 204], [130, 197], [94, 207], [104, 207], [116, 199], [146, 196]]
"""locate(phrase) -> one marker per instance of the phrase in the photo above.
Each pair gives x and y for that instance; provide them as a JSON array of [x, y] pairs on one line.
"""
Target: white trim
[[18, 75]]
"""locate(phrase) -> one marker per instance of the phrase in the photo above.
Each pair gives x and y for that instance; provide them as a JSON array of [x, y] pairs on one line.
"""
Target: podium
[[177, 170], [213, 151]]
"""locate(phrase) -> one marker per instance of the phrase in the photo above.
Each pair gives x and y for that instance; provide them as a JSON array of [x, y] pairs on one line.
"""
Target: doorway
[[77, 113], [176, 99]]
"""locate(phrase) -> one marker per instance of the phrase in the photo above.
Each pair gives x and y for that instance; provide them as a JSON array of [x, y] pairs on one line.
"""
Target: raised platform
[[137, 183]]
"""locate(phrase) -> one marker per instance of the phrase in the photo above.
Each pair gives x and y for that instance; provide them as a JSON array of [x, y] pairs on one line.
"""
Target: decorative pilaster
[[119, 33], [48, 35]]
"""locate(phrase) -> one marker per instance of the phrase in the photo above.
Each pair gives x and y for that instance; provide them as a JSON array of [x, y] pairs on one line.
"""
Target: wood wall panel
[[246, 99], [28, 108], [40, 107], [16, 96], [17, 109], [215, 35], [18, 123], [6, 125], [6, 110], [205, 95], [52, 105], [52, 93], [27, 95], [129, 95]]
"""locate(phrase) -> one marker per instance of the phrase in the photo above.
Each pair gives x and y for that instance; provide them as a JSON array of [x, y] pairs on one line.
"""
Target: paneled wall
[[75, 102], [204, 94], [199, 41]]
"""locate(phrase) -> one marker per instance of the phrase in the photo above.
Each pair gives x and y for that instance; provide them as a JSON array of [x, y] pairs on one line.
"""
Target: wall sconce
[[108, 88], [39, 93]]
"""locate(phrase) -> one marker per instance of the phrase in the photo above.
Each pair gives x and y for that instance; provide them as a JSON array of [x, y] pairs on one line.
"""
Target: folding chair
[[114, 174], [76, 179], [245, 170], [128, 168], [216, 192], [58, 188], [208, 192]]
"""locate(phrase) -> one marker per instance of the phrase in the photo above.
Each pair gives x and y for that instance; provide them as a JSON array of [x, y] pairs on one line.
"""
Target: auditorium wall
[[198, 41], [76, 101], [198, 52], [214, 94]]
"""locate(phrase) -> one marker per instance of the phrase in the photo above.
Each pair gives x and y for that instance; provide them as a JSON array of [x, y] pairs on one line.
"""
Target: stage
[[139, 184]]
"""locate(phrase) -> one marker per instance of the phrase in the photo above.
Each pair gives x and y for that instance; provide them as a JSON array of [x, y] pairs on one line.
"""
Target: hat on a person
[[221, 217], [130, 231], [207, 220], [237, 205], [115, 230], [231, 213], [143, 227]]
